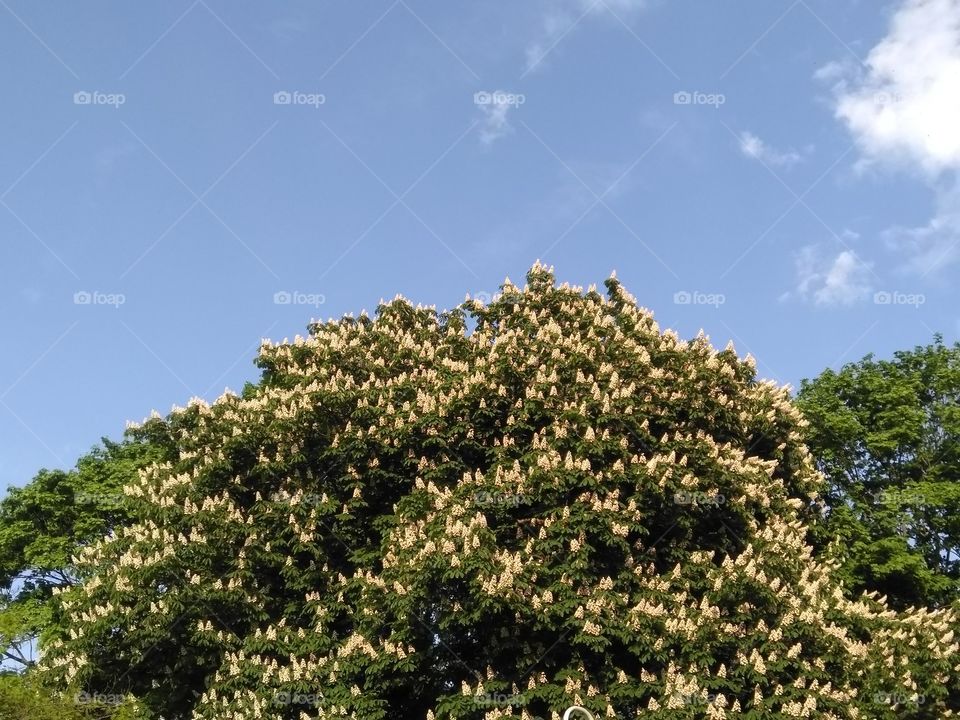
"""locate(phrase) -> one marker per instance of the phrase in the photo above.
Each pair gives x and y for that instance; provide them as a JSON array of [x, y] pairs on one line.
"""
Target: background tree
[[44, 523], [564, 505], [886, 434]]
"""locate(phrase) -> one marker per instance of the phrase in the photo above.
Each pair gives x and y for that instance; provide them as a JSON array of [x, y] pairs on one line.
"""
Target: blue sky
[[782, 174]]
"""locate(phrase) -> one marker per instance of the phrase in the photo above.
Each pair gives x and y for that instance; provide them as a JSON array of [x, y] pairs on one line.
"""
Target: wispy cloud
[[496, 107], [830, 281], [936, 244], [560, 18], [556, 215], [753, 147]]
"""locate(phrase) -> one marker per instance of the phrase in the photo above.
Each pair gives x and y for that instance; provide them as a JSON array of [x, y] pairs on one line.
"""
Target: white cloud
[[905, 108], [555, 24], [753, 147], [495, 124], [903, 111], [841, 280], [561, 17], [836, 71]]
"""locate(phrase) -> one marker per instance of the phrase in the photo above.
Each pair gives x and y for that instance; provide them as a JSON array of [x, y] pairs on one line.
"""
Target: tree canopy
[[886, 434], [492, 512]]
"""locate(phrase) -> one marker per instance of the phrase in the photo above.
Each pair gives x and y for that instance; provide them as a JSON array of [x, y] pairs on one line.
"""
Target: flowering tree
[[494, 512]]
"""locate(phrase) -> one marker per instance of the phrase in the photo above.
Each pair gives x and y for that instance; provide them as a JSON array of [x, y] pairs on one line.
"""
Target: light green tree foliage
[[22, 699], [45, 522], [886, 434], [563, 506]]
